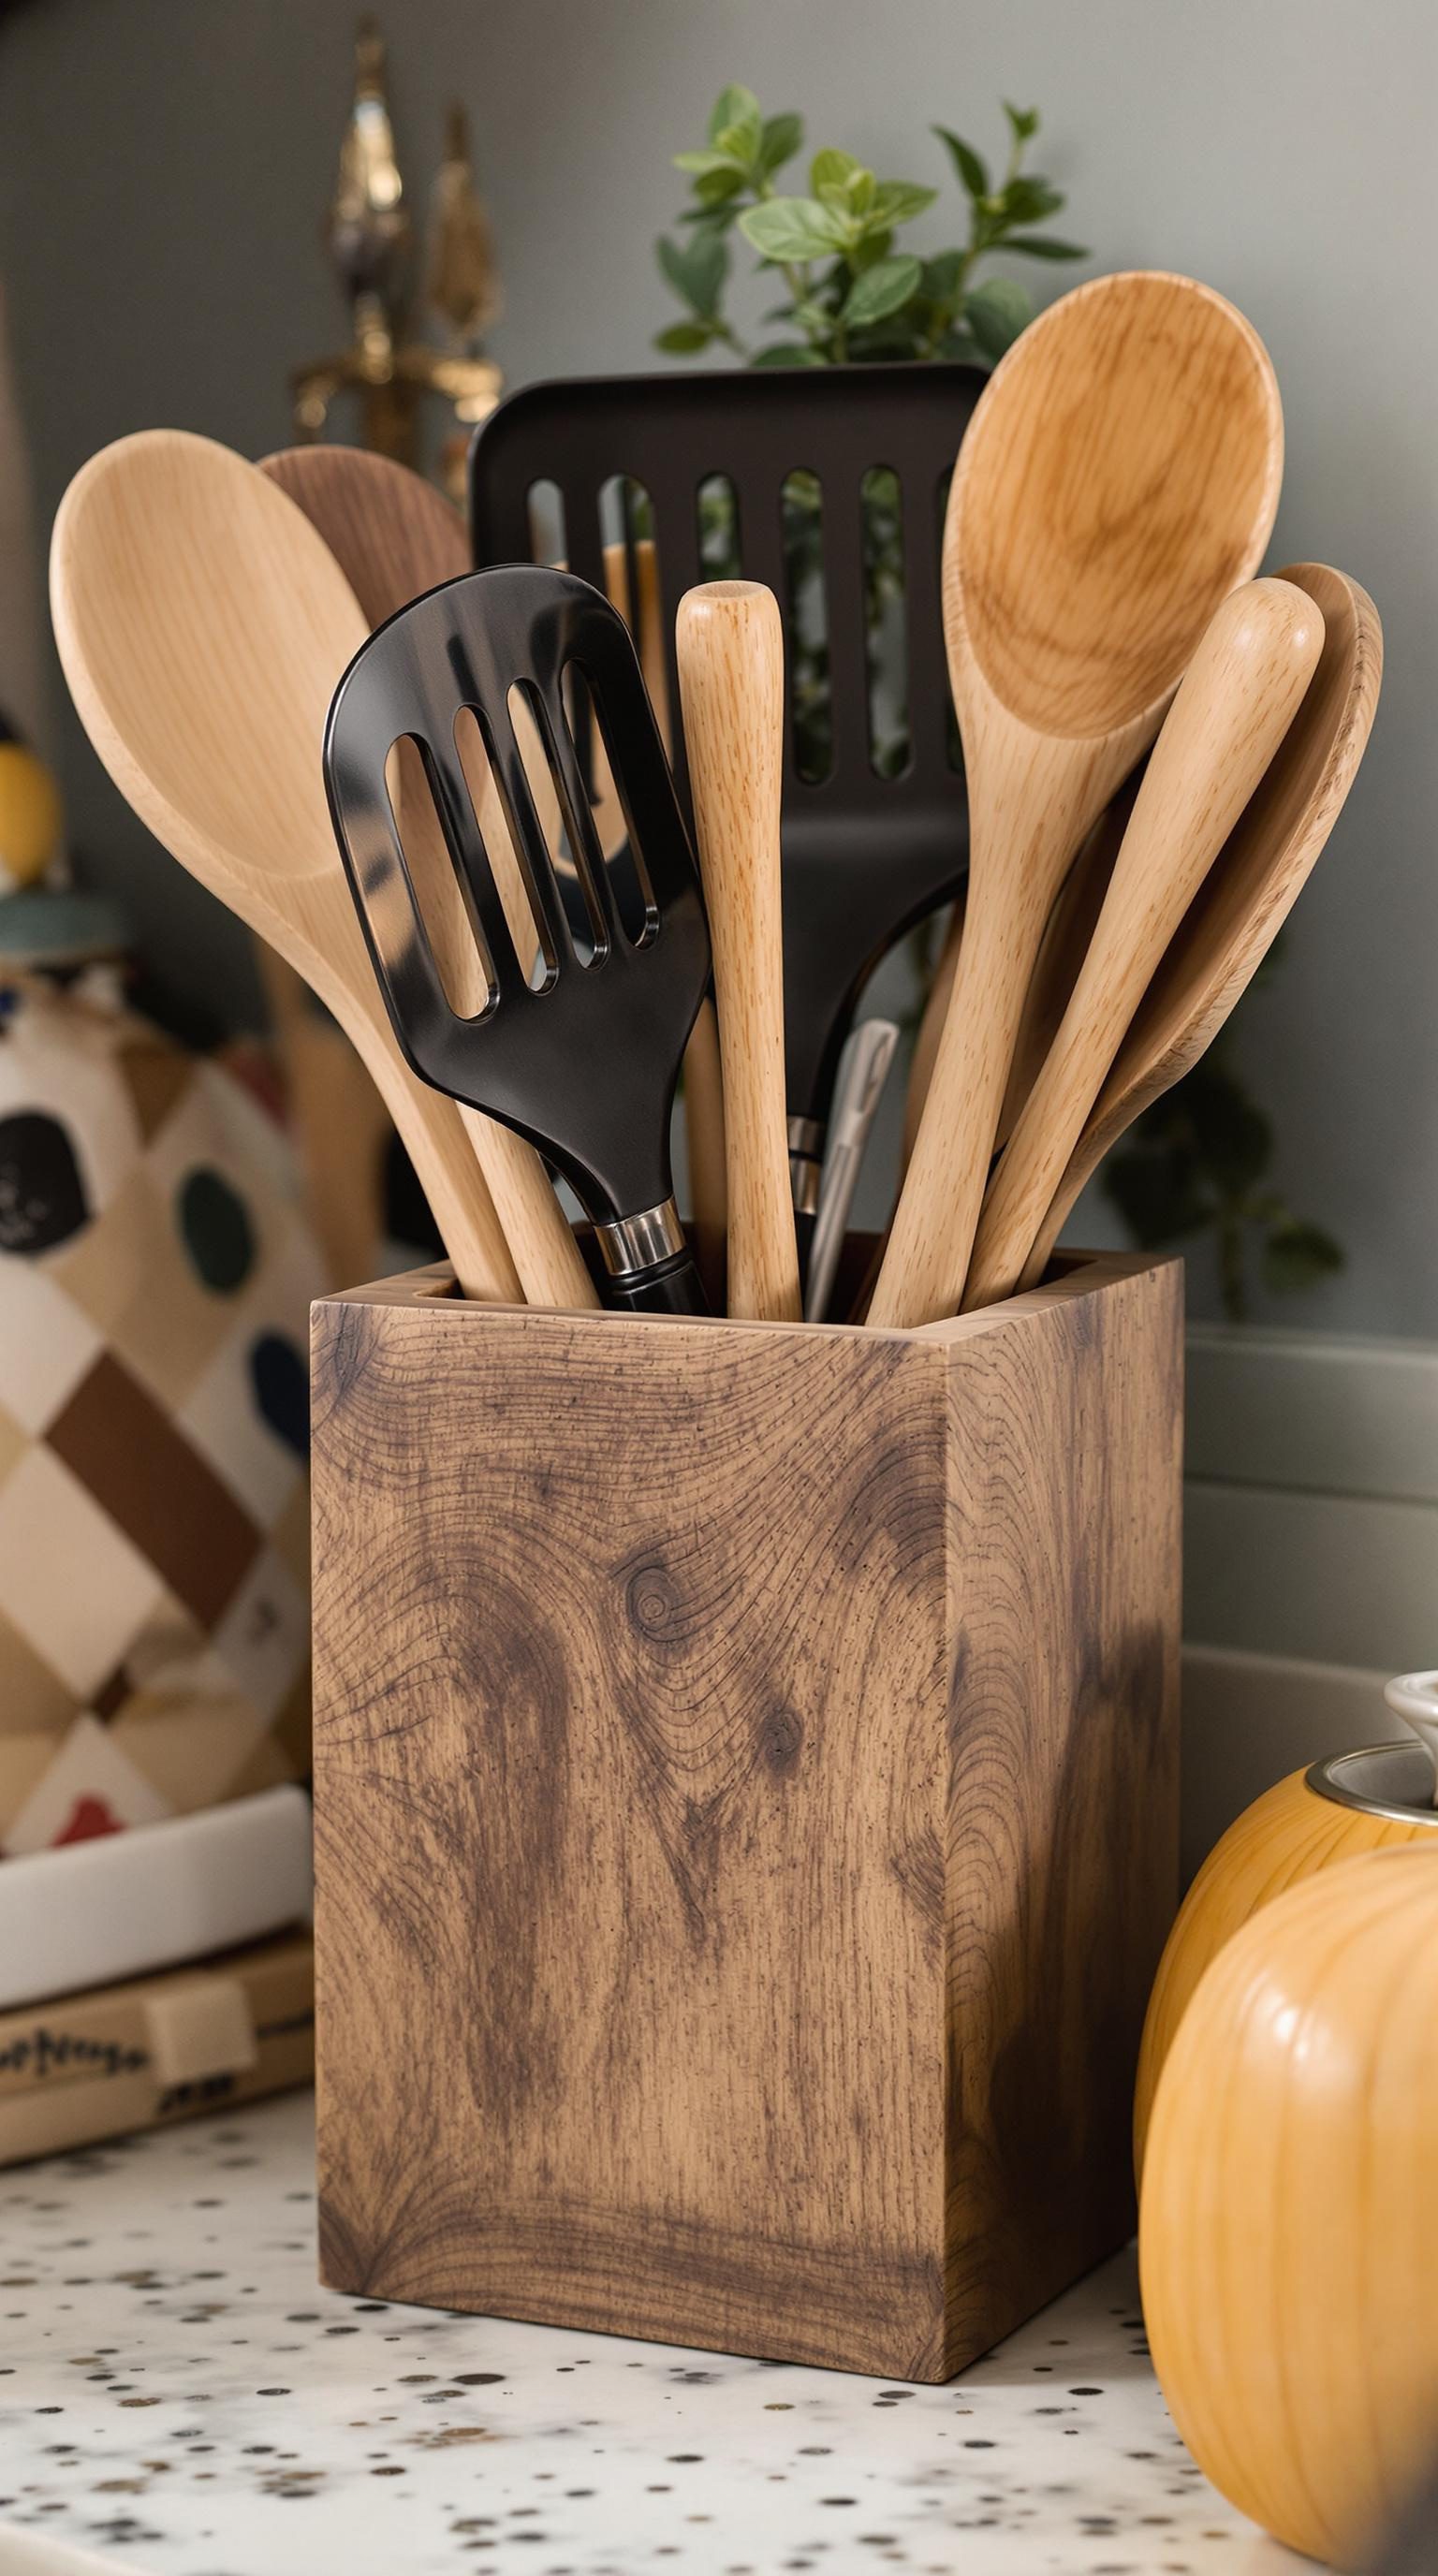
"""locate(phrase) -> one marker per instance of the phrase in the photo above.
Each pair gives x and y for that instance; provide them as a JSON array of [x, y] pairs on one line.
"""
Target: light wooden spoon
[[393, 536], [1237, 699], [202, 625], [729, 647], [1250, 889], [1119, 476]]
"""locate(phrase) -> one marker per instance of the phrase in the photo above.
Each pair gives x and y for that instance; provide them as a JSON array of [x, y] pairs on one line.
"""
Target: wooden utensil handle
[[434, 1139], [730, 648], [1240, 694], [541, 1242], [923, 1269]]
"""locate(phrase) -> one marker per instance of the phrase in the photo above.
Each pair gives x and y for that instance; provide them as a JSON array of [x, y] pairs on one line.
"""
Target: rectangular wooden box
[[746, 1809]]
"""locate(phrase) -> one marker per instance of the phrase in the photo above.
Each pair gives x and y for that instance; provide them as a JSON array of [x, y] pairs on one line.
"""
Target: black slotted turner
[[865, 854], [585, 1066]]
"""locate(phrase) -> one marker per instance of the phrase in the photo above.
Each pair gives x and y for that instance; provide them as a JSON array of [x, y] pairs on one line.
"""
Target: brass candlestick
[[387, 365]]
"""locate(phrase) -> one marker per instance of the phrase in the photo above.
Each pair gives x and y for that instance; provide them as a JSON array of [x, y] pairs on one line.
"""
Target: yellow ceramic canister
[[1288, 2272], [1353, 1803]]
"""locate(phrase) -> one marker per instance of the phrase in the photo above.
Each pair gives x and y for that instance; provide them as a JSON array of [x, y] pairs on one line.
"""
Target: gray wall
[[163, 165]]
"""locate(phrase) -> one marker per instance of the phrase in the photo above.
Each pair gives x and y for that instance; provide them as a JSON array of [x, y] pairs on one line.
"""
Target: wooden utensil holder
[[746, 1787]]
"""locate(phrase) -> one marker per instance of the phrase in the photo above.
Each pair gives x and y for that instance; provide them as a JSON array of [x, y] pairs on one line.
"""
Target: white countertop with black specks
[[180, 2399]]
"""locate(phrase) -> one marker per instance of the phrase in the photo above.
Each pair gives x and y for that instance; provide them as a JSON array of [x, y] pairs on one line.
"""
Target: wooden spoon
[[1067, 933], [393, 536], [1234, 706], [729, 648], [1119, 476], [1250, 889], [202, 625]]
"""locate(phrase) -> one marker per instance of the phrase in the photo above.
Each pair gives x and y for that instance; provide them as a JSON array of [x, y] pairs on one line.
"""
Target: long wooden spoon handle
[[434, 1139], [730, 649], [1236, 703], [931, 1029], [541, 1241], [927, 1259]]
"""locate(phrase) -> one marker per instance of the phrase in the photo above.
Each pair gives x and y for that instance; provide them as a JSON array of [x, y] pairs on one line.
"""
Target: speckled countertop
[[178, 2397]]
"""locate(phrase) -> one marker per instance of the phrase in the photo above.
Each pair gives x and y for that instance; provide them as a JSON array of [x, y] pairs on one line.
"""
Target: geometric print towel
[[156, 1272]]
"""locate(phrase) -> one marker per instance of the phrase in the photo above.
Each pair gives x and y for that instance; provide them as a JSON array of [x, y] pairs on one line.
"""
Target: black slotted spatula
[[582, 1060]]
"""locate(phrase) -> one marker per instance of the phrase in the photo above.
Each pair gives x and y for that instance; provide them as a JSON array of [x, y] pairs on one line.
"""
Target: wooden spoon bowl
[[202, 625], [1120, 476]]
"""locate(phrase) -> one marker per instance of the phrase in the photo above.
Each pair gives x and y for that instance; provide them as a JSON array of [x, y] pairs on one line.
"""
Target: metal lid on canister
[[1380, 1780]]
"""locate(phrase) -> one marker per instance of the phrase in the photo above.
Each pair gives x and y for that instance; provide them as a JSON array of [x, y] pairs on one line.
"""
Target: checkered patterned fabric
[[155, 1277]]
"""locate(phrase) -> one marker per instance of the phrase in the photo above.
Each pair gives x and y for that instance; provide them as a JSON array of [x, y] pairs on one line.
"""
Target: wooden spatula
[[1250, 889], [1236, 702], [1118, 478], [729, 648], [202, 625]]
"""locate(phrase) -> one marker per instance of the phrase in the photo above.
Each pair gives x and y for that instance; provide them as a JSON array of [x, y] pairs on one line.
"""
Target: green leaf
[[896, 201], [996, 313], [831, 169], [696, 269], [741, 141], [881, 290], [1045, 246], [735, 105], [1231, 1134], [684, 339], [703, 165], [792, 228], [781, 139], [815, 319], [1023, 120], [966, 161], [870, 248], [942, 275], [1027, 201], [716, 185], [1297, 1255], [1158, 1195], [788, 353]]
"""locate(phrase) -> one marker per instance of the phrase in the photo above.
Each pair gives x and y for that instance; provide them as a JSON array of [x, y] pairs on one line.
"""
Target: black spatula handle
[[649, 1269], [675, 1291]]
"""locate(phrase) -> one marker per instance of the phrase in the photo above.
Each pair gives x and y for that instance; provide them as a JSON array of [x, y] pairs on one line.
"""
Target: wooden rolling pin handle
[[729, 643]]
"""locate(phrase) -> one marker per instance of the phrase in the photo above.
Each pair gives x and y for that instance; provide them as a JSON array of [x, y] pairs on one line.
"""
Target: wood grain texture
[[202, 626], [1253, 884], [729, 645], [1286, 1836], [1119, 476], [1232, 709], [745, 1810], [1286, 2251], [340, 1123], [394, 536]]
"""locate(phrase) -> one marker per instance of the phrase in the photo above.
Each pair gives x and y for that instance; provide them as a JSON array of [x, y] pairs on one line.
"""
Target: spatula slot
[[952, 744], [544, 507], [462, 948], [630, 892], [533, 945], [720, 544], [886, 641], [811, 720]]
